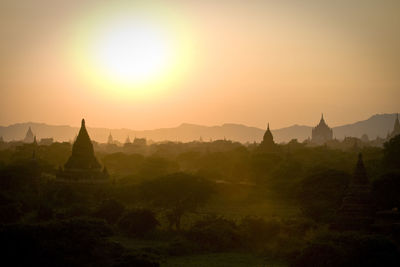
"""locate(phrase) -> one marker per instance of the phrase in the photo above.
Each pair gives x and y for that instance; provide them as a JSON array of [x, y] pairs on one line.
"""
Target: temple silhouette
[[268, 144], [356, 211], [321, 133], [29, 137], [82, 165], [396, 129]]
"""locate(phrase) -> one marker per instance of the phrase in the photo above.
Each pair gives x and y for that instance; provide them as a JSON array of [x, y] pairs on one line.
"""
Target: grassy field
[[220, 260], [234, 259]]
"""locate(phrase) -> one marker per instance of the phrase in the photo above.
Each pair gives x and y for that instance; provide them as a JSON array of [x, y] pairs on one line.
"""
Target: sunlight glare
[[131, 52]]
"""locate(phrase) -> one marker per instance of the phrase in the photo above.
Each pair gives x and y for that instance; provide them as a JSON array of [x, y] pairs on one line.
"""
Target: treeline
[[170, 197]]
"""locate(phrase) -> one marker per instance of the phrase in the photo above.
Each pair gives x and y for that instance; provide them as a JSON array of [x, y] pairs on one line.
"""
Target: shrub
[[348, 249], [386, 191], [138, 222], [215, 234], [321, 194], [257, 230], [110, 210], [142, 260], [74, 242]]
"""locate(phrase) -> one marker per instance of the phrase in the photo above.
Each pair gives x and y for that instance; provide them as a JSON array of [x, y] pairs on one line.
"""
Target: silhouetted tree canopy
[[391, 153], [178, 193], [321, 193]]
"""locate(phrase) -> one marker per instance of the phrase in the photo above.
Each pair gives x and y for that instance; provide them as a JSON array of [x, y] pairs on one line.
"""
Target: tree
[[391, 153], [386, 191], [138, 222], [110, 210], [321, 193], [177, 193]]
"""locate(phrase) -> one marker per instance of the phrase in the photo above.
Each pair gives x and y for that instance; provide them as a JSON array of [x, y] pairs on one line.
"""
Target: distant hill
[[377, 125]]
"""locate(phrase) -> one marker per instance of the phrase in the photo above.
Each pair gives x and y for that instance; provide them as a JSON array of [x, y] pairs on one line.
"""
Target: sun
[[129, 52]]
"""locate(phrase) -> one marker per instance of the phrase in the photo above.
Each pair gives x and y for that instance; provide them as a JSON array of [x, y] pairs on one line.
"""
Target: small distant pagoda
[[321, 133], [356, 212], [396, 129], [128, 140], [82, 165], [29, 137], [110, 139], [268, 144]]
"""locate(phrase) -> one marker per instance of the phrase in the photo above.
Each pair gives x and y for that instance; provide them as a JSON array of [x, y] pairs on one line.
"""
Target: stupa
[[82, 164], [396, 128], [29, 136], [356, 212], [321, 133], [268, 144]]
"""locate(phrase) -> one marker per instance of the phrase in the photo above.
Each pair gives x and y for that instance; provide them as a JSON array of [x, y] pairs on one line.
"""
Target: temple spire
[[396, 128], [110, 139], [268, 140], [321, 133], [360, 174], [82, 165], [82, 152], [29, 136]]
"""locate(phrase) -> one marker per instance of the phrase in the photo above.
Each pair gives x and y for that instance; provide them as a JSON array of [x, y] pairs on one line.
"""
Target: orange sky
[[248, 62]]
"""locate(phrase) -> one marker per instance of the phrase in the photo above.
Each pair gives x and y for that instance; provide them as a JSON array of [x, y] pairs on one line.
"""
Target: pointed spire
[[34, 140], [82, 156], [322, 118], [360, 174], [396, 128], [29, 136], [110, 139], [268, 139]]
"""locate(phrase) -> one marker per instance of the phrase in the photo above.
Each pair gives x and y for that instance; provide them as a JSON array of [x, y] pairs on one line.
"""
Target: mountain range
[[376, 125]]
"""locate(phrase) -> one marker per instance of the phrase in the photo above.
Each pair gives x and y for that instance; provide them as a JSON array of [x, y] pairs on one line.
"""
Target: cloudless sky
[[248, 62]]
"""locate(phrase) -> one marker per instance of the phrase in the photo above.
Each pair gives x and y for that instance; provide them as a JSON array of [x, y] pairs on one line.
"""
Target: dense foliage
[[175, 200]]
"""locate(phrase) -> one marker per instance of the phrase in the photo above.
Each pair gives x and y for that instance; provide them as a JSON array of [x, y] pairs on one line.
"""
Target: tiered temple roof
[[82, 164], [82, 156], [268, 144], [29, 136], [356, 210], [110, 139], [321, 133], [396, 128]]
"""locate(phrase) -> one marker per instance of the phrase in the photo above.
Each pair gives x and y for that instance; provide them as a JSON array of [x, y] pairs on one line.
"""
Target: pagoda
[[29, 136], [82, 164], [110, 139], [396, 128], [268, 144], [356, 212], [321, 133]]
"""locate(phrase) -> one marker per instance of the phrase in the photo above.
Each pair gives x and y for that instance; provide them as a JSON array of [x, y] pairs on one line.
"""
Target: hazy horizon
[[206, 125]]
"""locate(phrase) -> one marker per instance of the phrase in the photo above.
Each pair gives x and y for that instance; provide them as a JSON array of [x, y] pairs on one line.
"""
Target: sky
[[155, 64]]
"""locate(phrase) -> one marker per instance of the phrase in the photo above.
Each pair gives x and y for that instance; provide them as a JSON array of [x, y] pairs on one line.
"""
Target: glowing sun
[[130, 52]]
